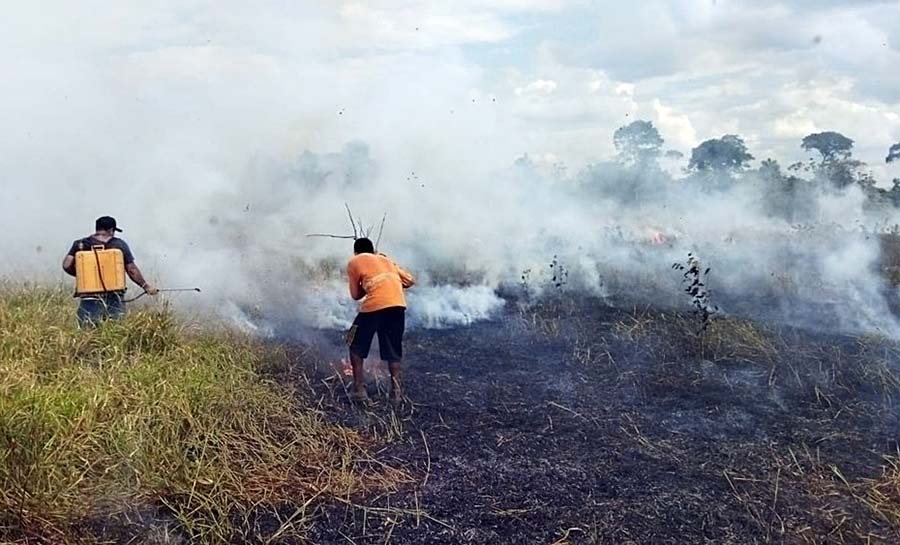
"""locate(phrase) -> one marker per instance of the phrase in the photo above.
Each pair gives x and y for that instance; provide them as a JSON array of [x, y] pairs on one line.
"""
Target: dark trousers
[[95, 308], [388, 324]]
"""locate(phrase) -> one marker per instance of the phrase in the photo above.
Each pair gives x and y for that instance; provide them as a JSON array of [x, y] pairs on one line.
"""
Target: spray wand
[[161, 290]]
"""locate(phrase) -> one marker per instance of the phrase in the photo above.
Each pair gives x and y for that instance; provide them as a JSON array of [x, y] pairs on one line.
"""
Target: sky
[[551, 78]]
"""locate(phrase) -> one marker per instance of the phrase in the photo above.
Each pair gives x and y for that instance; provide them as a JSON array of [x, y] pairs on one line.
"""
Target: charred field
[[560, 421], [577, 421]]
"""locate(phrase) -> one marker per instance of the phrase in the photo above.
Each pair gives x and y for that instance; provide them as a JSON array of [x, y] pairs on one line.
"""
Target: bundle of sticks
[[359, 229]]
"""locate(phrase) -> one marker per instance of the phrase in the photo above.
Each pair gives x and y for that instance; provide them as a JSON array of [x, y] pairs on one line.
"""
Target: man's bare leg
[[396, 391], [359, 377]]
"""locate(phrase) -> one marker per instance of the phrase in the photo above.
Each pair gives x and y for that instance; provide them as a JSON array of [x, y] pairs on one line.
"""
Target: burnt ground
[[578, 422]]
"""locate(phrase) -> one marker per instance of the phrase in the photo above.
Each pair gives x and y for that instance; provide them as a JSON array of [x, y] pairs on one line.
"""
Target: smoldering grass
[[836, 364], [150, 413], [822, 479]]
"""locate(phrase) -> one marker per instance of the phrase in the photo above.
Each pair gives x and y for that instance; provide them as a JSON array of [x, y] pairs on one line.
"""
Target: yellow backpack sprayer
[[100, 270]]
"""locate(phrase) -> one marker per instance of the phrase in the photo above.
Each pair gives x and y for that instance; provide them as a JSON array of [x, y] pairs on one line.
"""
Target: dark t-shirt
[[86, 244]]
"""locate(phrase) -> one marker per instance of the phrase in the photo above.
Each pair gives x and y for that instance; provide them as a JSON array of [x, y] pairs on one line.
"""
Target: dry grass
[[322, 270], [736, 339], [776, 426], [856, 510], [860, 510], [882, 495], [637, 325], [725, 338], [545, 317], [148, 413]]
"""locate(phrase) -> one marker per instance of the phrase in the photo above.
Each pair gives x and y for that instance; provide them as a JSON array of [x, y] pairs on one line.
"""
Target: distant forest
[[723, 164]]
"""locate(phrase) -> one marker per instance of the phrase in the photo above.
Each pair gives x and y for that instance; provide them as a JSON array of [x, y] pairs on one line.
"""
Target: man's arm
[[138, 278], [132, 269], [68, 265], [356, 290], [406, 277]]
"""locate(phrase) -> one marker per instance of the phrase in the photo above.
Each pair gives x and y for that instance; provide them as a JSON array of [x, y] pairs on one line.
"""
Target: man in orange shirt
[[383, 311]]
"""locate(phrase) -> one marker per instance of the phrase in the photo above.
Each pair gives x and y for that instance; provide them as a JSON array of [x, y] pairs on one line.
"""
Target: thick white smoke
[[219, 158]]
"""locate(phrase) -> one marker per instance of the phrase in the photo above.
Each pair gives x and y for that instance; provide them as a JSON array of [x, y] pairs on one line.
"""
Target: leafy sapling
[[694, 278], [560, 276]]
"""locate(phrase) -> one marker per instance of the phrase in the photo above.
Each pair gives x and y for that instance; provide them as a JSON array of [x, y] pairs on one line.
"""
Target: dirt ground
[[578, 422]]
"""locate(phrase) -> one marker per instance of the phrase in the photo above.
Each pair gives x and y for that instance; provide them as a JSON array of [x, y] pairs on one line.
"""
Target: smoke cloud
[[218, 159]]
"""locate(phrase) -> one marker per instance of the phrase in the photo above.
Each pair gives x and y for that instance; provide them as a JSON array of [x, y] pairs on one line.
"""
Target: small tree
[[894, 193], [783, 194], [831, 145], [836, 164], [727, 154], [638, 143], [694, 278], [770, 168], [893, 153]]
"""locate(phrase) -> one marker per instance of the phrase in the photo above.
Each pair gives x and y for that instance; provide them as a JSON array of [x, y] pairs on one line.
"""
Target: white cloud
[[795, 125], [622, 89], [542, 87], [767, 70], [365, 25], [674, 126]]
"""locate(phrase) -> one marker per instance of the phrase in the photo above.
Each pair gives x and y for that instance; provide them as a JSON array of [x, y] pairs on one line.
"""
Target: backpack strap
[[87, 244], [99, 268]]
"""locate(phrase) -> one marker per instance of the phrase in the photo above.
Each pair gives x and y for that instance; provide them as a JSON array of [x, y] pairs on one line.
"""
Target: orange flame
[[372, 367], [657, 237], [345, 367]]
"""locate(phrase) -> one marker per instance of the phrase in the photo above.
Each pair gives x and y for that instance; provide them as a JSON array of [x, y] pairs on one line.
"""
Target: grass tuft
[[149, 414], [882, 495], [733, 338]]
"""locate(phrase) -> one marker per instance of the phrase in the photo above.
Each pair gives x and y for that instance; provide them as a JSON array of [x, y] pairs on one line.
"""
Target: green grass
[[150, 413]]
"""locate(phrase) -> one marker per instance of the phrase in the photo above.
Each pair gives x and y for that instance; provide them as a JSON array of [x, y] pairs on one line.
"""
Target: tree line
[[635, 174]]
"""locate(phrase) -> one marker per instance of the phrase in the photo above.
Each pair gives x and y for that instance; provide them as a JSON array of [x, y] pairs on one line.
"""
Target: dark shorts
[[388, 323], [94, 309]]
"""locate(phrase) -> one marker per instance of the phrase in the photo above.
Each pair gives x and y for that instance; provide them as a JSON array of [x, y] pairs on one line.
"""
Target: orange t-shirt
[[379, 280]]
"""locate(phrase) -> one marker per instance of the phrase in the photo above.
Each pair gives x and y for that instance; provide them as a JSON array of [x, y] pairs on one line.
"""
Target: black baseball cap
[[106, 223]]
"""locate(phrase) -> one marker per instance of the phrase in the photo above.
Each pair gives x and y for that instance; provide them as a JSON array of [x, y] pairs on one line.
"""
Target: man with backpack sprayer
[[99, 264], [383, 312]]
